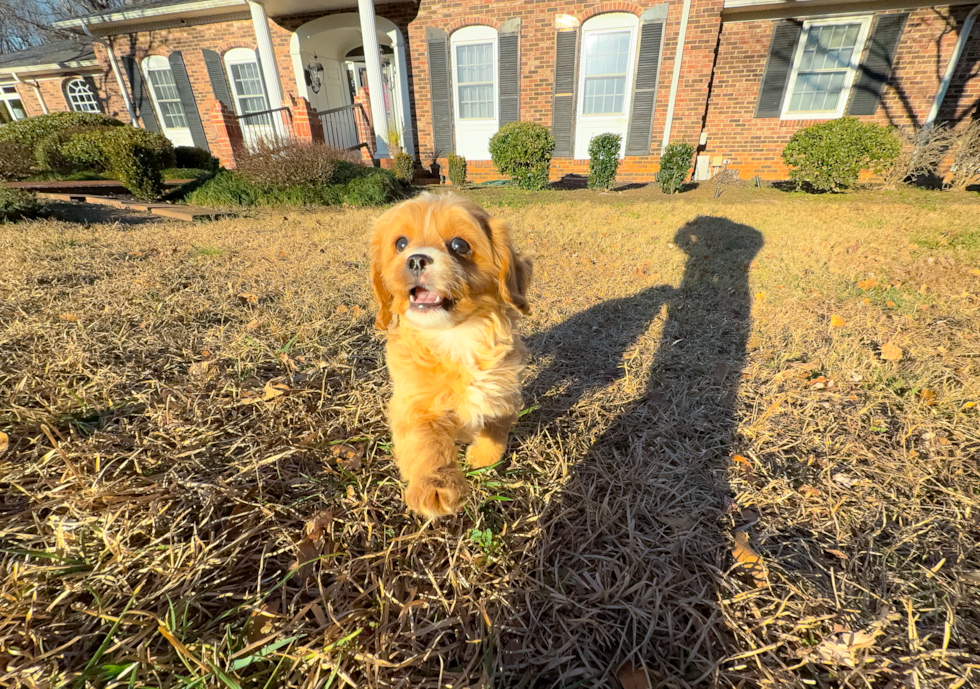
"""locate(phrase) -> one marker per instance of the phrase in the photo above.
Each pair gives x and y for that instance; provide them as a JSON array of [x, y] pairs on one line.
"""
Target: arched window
[[81, 98]]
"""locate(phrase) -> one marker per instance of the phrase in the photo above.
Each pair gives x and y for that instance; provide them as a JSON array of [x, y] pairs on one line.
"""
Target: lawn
[[749, 454]]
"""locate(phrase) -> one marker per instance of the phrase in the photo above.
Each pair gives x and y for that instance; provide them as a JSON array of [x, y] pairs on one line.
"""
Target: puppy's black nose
[[418, 262]]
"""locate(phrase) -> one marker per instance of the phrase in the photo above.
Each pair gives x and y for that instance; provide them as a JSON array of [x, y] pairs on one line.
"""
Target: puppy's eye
[[401, 243], [459, 246]]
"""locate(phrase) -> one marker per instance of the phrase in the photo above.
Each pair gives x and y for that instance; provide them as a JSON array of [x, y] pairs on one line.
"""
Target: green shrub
[[360, 186], [457, 170], [18, 203], [603, 160], [66, 152], [15, 161], [28, 133], [404, 167], [135, 156], [346, 170], [194, 158], [523, 151], [675, 164], [829, 156]]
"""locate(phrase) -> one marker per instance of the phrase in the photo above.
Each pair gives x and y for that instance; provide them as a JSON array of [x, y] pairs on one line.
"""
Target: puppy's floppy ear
[[381, 293], [515, 270]]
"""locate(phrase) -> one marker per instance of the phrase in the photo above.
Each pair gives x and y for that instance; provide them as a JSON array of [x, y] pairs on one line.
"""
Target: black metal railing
[[340, 126], [265, 125]]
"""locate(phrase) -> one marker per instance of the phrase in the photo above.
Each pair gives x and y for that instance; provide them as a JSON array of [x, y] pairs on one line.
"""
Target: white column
[[401, 68], [270, 68], [372, 60]]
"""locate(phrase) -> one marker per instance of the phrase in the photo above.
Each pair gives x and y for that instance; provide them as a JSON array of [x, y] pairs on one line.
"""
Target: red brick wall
[[754, 145], [537, 50]]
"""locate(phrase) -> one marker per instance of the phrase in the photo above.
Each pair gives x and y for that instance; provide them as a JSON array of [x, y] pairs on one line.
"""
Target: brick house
[[735, 77]]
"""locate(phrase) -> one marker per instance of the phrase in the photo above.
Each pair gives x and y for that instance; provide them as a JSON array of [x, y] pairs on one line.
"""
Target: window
[[249, 90], [80, 96], [474, 80], [824, 66], [606, 66], [11, 105]]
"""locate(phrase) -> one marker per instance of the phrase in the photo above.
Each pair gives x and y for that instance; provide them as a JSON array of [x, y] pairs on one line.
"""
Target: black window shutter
[[563, 104], [440, 91], [645, 88], [186, 94], [877, 65], [216, 73], [782, 48], [509, 66], [140, 95]]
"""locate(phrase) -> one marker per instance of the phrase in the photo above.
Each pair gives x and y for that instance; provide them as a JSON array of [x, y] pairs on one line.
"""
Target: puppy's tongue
[[424, 296]]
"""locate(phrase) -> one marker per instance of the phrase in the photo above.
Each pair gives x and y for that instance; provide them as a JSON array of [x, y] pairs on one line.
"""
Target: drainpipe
[[951, 65], [115, 70], [676, 77], [37, 91]]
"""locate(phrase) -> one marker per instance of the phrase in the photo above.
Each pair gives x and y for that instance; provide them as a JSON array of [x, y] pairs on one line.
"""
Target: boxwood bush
[[136, 157], [829, 156], [675, 164], [523, 151], [65, 154], [603, 160], [404, 167], [29, 133], [18, 203], [15, 161], [456, 170]]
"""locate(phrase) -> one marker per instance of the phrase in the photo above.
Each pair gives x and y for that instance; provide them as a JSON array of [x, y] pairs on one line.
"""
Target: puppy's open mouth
[[423, 299]]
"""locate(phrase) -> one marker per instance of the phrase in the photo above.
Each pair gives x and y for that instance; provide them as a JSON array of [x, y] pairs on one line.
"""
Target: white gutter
[[115, 70], [951, 65], [37, 91], [150, 13], [676, 77]]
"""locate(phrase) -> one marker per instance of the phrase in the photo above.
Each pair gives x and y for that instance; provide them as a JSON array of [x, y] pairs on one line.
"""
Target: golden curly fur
[[449, 288]]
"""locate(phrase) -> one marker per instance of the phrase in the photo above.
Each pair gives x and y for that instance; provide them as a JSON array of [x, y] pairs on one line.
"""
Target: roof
[[146, 11], [66, 54]]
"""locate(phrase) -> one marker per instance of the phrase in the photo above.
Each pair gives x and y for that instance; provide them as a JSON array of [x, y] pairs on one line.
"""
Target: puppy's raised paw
[[437, 495]]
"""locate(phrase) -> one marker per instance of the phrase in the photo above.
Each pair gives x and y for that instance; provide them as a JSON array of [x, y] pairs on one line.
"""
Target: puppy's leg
[[490, 442], [425, 452]]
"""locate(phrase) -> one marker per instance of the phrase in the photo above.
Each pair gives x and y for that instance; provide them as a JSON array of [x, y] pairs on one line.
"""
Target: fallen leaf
[[68, 317], [975, 271], [633, 677], [837, 553], [341, 309], [891, 352], [808, 491], [846, 480], [259, 624], [841, 648], [923, 289], [253, 324], [4, 442], [200, 368], [348, 455], [739, 459], [837, 322], [314, 543], [969, 405], [865, 301], [273, 390], [867, 284], [749, 560], [760, 296], [890, 304], [927, 396], [246, 298]]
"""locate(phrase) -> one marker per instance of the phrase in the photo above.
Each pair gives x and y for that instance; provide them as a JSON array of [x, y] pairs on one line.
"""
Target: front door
[[474, 60]]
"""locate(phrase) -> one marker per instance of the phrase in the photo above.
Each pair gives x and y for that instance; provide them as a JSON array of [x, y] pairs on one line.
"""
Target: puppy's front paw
[[437, 495]]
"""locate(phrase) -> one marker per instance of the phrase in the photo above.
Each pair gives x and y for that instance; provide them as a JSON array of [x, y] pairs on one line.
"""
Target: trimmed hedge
[[404, 167], [603, 160], [15, 161], [457, 170], [61, 152], [829, 156], [16, 204], [194, 158], [29, 133], [351, 184], [135, 156], [523, 151], [675, 164]]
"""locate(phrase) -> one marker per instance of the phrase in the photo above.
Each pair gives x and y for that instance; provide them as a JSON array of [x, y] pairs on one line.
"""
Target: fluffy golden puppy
[[449, 288]]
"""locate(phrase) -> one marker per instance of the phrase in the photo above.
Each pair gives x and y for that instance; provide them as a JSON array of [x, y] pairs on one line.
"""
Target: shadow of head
[[720, 241]]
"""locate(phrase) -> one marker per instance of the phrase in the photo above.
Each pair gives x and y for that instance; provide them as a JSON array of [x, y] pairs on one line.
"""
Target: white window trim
[[475, 35], [69, 94], [845, 94], [162, 63], [615, 22], [7, 97], [237, 56]]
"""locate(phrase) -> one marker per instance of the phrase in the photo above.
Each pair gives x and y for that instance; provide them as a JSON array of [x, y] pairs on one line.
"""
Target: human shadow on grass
[[630, 549]]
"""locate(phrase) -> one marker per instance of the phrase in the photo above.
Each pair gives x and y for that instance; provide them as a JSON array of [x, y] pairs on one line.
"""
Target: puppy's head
[[440, 260]]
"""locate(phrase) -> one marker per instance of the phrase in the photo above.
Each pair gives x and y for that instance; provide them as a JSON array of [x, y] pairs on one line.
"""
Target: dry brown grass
[[198, 489]]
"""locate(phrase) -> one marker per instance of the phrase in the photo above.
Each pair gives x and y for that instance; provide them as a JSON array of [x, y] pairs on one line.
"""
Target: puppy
[[449, 288]]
